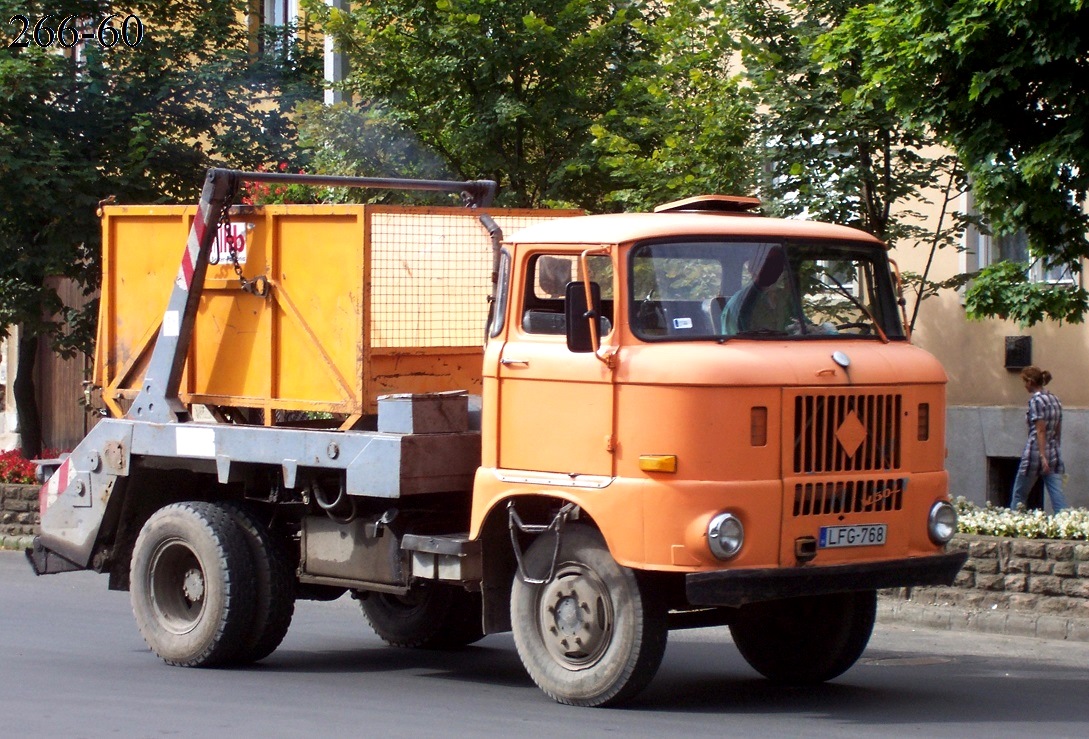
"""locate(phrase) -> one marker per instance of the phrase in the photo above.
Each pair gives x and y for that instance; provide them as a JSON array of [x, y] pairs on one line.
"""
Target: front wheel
[[592, 636], [192, 584], [805, 640]]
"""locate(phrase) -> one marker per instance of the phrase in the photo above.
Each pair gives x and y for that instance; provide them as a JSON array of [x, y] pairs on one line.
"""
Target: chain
[[258, 286]]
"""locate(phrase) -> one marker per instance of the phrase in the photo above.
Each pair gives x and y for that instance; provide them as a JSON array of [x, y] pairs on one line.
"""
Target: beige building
[[986, 399]]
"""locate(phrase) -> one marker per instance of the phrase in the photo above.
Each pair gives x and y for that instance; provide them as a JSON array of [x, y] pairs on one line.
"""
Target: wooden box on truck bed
[[363, 301]]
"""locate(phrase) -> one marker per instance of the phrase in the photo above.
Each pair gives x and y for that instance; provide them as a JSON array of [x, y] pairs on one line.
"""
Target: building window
[[280, 12], [1014, 247], [982, 250]]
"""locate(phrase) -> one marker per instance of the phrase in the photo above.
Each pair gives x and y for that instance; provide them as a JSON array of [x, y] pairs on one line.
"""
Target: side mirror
[[578, 316]]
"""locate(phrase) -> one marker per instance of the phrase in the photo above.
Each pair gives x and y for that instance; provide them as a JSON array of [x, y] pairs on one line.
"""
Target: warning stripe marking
[[56, 485], [192, 249]]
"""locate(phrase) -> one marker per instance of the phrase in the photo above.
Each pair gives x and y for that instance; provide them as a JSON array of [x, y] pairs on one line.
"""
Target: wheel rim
[[575, 617], [177, 586]]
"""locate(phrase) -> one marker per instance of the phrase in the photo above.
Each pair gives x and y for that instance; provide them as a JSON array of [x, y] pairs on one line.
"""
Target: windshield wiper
[[869, 314]]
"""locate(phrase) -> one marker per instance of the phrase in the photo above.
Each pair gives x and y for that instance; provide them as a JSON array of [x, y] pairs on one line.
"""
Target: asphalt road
[[72, 664]]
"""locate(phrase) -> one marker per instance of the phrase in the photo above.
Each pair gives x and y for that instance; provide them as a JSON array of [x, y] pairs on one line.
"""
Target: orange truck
[[589, 432]]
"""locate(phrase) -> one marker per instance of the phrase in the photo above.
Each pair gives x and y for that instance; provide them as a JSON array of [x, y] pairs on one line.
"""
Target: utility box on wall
[[1018, 352]]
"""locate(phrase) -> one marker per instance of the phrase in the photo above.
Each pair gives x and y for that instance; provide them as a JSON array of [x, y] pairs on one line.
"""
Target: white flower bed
[[1073, 523]]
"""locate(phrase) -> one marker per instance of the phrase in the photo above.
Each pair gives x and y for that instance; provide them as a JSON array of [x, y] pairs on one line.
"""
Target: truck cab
[[679, 412], [731, 404]]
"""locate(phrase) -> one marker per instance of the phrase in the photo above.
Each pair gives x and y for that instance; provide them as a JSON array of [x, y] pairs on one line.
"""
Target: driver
[[764, 304]]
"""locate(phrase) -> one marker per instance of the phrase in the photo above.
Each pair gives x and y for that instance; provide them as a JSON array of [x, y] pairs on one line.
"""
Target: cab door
[[556, 406]]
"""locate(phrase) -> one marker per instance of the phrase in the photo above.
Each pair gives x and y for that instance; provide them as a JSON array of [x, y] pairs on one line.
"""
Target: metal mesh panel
[[431, 275]]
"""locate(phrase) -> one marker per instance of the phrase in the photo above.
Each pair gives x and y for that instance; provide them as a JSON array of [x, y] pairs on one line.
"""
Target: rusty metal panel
[[348, 551]]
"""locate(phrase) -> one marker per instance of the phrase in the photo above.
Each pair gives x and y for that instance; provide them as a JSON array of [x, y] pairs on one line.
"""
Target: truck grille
[[861, 496], [839, 432]]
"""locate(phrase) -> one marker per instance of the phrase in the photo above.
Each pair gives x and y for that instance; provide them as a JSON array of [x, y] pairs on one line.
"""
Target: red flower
[[15, 469]]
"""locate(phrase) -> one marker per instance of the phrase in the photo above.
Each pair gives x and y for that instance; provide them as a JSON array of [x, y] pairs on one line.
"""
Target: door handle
[[509, 362]]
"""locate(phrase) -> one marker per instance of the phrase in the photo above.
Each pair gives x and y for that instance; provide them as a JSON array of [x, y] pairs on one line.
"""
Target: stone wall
[[18, 511], [1014, 586]]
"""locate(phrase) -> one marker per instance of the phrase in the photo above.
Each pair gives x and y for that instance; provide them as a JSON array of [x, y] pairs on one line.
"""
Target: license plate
[[865, 535]]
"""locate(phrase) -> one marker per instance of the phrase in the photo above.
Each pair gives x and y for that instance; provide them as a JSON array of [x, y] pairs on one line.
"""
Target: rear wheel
[[593, 635], [192, 584], [274, 582], [430, 616], [805, 640]]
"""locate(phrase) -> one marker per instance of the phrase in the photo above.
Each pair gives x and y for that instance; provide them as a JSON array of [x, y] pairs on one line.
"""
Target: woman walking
[[1042, 457]]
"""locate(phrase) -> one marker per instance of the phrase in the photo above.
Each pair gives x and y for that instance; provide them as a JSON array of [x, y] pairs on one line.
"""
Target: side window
[[546, 283]]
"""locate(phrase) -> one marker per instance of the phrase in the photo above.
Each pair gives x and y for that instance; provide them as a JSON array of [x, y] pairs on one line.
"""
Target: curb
[[16, 543], [994, 620]]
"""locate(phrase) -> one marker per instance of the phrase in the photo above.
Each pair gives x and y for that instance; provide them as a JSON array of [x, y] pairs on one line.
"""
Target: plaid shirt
[[1043, 406]]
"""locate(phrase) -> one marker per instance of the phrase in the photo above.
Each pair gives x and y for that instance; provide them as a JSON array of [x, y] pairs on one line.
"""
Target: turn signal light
[[924, 421], [658, 462]]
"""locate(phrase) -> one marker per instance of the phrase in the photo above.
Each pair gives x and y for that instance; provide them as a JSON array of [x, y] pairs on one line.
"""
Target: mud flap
[[47, 562]]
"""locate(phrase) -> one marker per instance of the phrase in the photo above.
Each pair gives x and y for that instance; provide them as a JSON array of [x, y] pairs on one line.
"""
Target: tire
[[274, 581], [623, 626], [803, 641], [430, 616], [192, 584]]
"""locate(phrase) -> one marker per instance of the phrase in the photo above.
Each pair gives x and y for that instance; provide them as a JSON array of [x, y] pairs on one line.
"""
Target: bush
[[15, 469], [1072, 523]]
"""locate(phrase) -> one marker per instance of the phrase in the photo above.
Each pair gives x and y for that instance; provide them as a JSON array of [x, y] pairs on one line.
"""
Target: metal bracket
[[515, 524]]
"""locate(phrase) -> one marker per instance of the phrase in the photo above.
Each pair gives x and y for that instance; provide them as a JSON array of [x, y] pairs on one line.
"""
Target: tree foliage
[[1003, 292], [1005, 83], [830, 152], [593, 103], [367, 141], [136, 123], [683, 121], [505, 90]]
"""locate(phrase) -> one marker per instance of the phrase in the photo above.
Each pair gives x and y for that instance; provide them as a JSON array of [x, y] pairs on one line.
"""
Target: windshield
[[719, 290]]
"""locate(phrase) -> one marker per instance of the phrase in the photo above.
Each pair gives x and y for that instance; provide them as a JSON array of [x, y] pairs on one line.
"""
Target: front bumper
[[738, 587]]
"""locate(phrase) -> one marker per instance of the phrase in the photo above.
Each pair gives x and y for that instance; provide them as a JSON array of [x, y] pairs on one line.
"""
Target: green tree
[[1005, 83], [594, 103], [503, 90], [134, 121], [683, 121], [830, 152]]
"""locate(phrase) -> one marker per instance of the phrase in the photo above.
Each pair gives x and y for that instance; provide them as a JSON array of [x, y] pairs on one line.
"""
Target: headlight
[[942, 523], [725, 535]]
